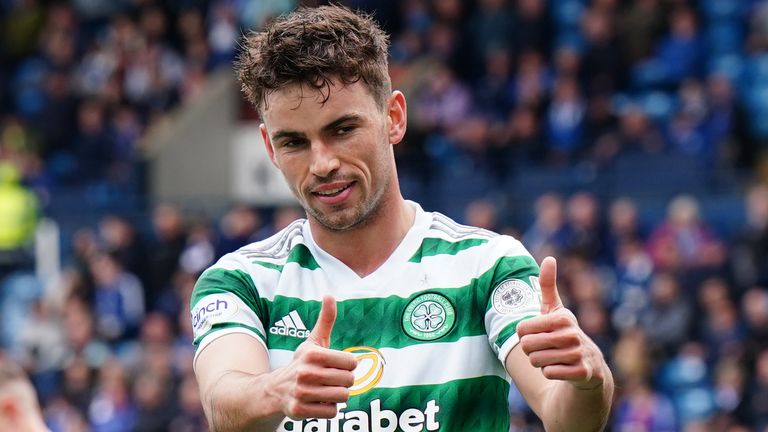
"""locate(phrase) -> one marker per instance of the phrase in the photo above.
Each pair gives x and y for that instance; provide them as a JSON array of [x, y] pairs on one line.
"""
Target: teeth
[[331, 191]]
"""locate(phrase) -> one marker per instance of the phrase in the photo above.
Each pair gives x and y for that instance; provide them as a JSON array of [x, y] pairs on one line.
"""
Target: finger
[[550, 298], [543, 341], [305, 410], [328, 358], [337, 377], [545, 323], [321, 333], [322, 394], [578, 372], [550, 357]]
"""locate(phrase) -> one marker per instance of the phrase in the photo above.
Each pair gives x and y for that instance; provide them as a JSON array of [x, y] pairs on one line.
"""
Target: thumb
[[321, 333], [550, 299]]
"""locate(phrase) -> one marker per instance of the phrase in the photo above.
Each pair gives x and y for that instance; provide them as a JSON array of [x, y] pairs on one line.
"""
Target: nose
[[324, 160]]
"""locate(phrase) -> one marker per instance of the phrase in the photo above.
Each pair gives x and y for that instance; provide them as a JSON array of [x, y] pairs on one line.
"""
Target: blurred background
[[625, 137]]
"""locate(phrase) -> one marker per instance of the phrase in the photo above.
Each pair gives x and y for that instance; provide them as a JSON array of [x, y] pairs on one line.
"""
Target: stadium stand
[[627, 138]]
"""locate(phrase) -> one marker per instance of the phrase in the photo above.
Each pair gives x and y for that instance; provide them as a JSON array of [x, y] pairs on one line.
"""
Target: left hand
[[554, 341]]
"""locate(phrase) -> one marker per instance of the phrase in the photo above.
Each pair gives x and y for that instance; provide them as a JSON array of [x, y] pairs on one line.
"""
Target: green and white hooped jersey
[[431, 327]]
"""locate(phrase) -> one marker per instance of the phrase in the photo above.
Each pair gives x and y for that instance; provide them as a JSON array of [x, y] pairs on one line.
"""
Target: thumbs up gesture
[[554, 341], [318, 377]]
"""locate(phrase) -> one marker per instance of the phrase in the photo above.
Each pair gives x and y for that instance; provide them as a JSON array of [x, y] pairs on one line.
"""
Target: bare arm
[[239, 392], [558, 369]]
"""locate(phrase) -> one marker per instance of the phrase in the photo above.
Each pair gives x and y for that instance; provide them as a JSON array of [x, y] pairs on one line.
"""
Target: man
[[372, 314], [19, 409]]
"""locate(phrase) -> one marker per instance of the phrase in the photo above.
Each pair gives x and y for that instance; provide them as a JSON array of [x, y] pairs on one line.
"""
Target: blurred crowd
[[678, 305]]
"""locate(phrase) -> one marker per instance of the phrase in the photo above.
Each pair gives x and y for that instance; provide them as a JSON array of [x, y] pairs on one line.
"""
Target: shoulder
[[444, 228], [270, 253]]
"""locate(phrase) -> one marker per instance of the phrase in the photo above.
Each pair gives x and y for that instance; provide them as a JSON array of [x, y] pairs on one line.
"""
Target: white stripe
[[243, 314], [289, 322], [427, 364], [297, 320], [312, 285], [280, 323], [217, 334]]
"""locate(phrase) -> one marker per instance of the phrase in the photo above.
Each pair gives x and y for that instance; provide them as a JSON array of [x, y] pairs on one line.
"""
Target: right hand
[[318, 377]]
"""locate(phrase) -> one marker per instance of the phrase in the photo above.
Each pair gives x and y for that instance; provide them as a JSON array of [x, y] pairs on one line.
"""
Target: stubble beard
[[348, 219]]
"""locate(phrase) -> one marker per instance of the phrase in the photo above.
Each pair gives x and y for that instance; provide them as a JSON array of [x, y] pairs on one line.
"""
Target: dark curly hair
[[315, 46]]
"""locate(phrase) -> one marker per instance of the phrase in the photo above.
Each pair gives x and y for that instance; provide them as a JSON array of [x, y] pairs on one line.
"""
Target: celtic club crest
[[429, 316]]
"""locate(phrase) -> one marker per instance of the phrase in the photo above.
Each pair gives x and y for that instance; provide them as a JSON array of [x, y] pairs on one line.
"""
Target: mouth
[[333, 193]]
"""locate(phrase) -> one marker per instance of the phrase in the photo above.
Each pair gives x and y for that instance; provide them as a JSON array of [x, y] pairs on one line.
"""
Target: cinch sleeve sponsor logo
[[375, 419], [213, 309]]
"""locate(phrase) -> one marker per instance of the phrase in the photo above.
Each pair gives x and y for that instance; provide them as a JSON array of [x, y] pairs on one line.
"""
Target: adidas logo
[[290, 325]]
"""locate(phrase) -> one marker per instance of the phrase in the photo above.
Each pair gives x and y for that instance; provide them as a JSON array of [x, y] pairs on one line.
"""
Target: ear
[[268, 144], [397, 117]]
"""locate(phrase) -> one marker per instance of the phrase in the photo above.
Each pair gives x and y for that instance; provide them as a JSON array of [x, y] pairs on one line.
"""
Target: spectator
[[686, 379], [667, 320], [533, 28], [750, 249], [565, 121], [164, 250], [112, 409], [548, 231], [641, 24], [680, 50], [18, 219], [683, 241], [636, 134], [643, 409], [18, 400], [118, 299], [757, 393], [604, 64], [585, 231], [492, 27]]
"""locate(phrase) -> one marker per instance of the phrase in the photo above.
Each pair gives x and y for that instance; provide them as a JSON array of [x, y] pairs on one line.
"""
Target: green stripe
[[510, 330], [377, 321], [300, 255], [222, 326], [238, 282], [521, 267], [437, 246], [476, 405], [270, 266]]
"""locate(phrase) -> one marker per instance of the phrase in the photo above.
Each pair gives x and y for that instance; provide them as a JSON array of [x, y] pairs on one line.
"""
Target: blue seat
[[663, 176]]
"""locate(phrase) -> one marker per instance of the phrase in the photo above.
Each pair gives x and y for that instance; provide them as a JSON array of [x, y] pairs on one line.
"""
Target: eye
[[343, 130], [292, 143]]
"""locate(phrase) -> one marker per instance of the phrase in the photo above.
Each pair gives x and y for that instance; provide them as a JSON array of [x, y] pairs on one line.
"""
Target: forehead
[[307, 105]]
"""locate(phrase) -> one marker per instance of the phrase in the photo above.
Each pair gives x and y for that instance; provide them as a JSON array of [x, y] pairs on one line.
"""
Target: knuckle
[[535, 360], [562, 320], [301, 393], [305, 373], [293, 409], [571, 339], [314, 355]]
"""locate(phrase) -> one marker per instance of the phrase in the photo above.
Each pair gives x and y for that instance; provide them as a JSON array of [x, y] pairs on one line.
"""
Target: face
[[336, 156]]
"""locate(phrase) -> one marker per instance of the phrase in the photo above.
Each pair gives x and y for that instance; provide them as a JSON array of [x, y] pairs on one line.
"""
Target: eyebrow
[[327, 128]]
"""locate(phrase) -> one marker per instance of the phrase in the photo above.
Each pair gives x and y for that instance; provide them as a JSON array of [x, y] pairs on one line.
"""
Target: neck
[[366, 248]]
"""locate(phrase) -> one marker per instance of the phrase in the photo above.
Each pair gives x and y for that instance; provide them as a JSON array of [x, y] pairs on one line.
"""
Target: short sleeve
[[513, 295], [225, 300]]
